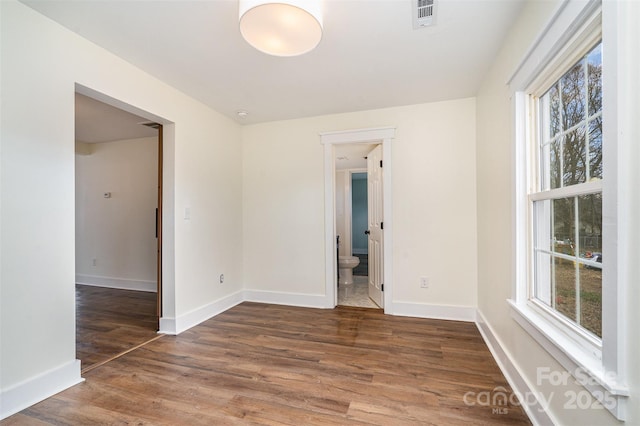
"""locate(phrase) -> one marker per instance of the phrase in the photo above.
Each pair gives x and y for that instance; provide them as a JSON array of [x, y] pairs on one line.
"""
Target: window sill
[[586, 369]]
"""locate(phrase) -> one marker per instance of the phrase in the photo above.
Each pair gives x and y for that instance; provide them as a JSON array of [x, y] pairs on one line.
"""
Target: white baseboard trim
[[531, 405], [167, 326], [198, 315], [119, 283], [290, 299], [23, 395], [421, 310]]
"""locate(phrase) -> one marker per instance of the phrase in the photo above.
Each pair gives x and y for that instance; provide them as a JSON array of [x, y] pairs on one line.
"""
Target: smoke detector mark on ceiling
[[423, 13]]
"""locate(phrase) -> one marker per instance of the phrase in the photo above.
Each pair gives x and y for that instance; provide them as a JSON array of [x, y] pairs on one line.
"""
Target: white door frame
[[383, 136]]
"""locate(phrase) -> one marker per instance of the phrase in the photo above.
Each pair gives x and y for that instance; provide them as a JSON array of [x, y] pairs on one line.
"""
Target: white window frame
[[598, 365], [588, 39]]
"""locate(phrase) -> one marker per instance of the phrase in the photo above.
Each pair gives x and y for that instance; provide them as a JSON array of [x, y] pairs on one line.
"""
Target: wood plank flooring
[[110, 321], [279, 365]]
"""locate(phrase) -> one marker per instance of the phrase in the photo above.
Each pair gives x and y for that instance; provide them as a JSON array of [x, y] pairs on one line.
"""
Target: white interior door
[[374, 196]]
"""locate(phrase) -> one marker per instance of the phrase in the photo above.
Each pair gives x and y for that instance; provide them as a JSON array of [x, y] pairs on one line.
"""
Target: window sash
[[567, 282], [541, 107]]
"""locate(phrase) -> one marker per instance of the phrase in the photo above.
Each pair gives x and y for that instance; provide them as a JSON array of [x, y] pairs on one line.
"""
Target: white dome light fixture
[[283, 27]]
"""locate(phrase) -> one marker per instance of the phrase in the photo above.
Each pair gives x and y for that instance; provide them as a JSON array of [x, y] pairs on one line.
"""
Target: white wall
[[41, 64], [496, 237], [117, 232], [434, 204]]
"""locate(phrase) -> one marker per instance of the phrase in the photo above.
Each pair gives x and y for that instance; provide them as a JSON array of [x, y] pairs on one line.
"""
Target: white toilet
[[345, 268]]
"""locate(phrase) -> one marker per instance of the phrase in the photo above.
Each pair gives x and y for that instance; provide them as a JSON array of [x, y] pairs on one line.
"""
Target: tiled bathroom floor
[[356, 294]]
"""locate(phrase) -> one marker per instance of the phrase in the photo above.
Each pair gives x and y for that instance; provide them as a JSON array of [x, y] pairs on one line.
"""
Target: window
[[566, 290], [567, 195]]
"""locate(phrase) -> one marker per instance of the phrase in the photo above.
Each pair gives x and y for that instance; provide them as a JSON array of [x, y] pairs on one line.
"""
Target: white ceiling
[[98, 122], [352, 156], [370, 56]]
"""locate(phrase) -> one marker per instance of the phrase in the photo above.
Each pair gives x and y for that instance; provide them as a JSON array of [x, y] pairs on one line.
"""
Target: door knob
[[367, 232]]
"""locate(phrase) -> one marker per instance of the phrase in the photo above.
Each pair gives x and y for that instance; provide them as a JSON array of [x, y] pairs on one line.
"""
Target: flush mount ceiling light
[[283, 27]]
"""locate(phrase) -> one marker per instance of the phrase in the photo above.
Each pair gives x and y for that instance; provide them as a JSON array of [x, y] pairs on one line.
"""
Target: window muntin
[[567, 207]]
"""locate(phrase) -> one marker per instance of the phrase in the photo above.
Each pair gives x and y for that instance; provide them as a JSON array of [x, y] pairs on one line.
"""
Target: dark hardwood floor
[[110, 321], [270, 364]]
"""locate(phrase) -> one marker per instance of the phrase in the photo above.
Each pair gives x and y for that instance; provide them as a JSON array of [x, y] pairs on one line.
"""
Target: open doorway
[[118, 239], [352, 225], [375, 144]]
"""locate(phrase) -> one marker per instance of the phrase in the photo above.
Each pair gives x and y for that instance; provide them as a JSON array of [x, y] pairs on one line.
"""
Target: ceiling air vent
[[151, 124], [423, 13]]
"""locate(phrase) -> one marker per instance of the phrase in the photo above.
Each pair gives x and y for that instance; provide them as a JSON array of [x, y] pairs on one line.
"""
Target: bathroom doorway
[[352, 226], [336, 144]]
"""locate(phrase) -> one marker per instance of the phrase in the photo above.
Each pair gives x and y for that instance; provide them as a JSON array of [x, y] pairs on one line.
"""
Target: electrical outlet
[[94, 261], [221, 278], [424, 282]]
